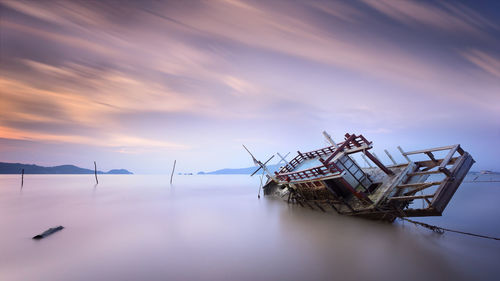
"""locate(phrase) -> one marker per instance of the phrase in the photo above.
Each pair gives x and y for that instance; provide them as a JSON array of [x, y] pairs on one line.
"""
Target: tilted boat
[[330, 179]]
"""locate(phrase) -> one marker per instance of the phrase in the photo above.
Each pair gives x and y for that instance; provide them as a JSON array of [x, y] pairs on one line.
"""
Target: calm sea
[[135, 227]]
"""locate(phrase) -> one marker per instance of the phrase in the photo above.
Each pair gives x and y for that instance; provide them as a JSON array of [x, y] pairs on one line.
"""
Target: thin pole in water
[[173, 169], [95, 173], [261, 177], [22, 178]]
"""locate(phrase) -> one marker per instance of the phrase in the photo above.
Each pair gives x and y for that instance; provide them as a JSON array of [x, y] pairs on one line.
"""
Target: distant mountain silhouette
[[239, 171], [16, 168]]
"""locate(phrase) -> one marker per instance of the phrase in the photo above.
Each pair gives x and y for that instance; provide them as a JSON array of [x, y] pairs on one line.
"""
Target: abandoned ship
[[330, 179]]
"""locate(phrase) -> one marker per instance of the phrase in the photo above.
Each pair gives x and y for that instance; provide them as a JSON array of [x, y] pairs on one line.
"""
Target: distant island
[[16, 168], [238, 171]]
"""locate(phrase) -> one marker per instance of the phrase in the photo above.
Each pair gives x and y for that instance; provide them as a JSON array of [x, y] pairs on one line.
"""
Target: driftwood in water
[[48, 232]]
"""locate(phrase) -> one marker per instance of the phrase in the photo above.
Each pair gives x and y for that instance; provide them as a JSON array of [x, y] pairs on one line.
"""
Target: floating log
[[48, 232]]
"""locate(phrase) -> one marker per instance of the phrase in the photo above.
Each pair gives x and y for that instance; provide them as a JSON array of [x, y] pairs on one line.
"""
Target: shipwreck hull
[[380, 192]]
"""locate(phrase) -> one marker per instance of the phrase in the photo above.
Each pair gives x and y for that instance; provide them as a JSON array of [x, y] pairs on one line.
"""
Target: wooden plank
[[403, 153], [413, 191], [364, 158], [431, 156], [424, 173], [404, 198], [427, 212], [379, 164], [402, 176], [358, 149], [430, 164], [390, 156], [418, 184], [448, 157], [448, 187], [429, 150]]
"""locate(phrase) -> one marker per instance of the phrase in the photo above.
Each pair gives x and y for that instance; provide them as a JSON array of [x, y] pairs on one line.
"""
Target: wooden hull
[[394, 192]]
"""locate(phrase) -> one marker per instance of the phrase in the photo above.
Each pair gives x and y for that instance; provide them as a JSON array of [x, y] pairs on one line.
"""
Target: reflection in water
[[214, 228]]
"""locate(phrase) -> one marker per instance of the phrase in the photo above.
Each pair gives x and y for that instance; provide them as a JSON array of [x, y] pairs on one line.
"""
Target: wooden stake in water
[[95, 172], [260, 187], [22, 178], [173, 169]]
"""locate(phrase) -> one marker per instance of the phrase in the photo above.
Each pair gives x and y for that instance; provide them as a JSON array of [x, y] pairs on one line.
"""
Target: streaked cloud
[[484, 61], [180, 76], [454, 17]]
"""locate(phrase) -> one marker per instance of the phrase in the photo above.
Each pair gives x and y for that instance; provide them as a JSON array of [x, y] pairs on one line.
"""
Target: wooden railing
[[352, 141], [287, 173], [329, 170]]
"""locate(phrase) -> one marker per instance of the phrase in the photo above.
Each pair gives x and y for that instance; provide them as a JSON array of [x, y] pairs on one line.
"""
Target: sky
[[139, 84]]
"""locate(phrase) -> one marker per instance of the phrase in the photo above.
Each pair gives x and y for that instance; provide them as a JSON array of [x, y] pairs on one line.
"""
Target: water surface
[[134, 227]]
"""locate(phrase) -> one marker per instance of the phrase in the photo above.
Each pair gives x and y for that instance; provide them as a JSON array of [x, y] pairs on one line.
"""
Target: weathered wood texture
[[447, 189]]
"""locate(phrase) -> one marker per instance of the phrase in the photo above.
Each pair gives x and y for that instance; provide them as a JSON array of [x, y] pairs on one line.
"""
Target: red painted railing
[[330, 169], [287, 174]]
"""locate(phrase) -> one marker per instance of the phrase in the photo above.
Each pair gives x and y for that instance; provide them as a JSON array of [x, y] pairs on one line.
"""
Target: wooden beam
[[424, 173], [390, 156], [431, 156], [404, 198], [330, 140], [413, 191], [448, 157], [430, 164], [429, 150], [448, 187], [378, 163], [445, 171], [403, 153], [340, 149], [401, 177], [427, 212], [419, 184], [357, 149], [366, 160]]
